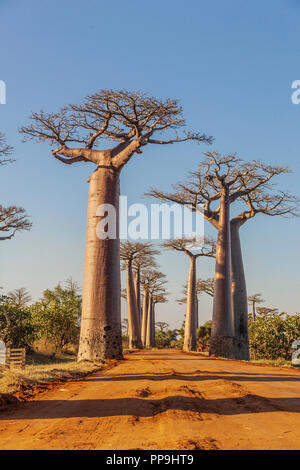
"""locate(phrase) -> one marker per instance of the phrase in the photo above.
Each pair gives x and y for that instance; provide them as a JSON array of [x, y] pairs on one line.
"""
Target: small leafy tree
[[16, 326], [56, 316], [271, 337], [165, 339], [203, 334]]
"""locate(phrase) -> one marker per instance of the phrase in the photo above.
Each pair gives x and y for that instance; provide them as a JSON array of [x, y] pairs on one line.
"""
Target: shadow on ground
[[246, 404]]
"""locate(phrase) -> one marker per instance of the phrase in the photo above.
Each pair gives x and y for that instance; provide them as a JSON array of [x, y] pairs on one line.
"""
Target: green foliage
[[271, 337], [56, 317], [166, 339], [203, 333], [16, 328]]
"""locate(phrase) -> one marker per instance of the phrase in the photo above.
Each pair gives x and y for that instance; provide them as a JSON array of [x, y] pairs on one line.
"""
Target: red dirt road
[[163, 400]]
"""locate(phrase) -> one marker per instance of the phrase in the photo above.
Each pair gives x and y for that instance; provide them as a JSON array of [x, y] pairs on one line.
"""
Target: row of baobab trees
[[142, 276], [133, 121]]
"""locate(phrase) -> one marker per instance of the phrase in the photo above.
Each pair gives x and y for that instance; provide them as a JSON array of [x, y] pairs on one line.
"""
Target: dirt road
[[163, 400]]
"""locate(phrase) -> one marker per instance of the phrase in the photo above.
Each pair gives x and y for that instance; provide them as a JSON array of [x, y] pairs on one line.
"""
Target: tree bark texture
[[222, 336], [153, 325], [190, 339], [100, 336], [196, 312], [144, 317], [138, 293], [134, 331], [149, 332], [239, 296]]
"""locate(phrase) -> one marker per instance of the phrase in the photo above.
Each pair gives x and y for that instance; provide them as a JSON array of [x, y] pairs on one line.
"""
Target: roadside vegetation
[[39, 372]]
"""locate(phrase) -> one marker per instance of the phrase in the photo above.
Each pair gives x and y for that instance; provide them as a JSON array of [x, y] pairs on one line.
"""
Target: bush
[[271, 337], [56, 317], [166, 339], [203, 334], [16, 327]]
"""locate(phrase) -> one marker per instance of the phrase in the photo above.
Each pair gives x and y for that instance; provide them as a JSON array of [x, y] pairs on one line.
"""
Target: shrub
[[16, 326], [164, 339], [56, 317], [271, 337]]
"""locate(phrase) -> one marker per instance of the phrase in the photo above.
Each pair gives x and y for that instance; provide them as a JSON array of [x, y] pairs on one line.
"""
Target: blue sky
[[230, 63]]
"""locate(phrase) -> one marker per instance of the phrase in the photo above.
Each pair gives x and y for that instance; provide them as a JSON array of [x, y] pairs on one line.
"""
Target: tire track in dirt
[[162, 400]]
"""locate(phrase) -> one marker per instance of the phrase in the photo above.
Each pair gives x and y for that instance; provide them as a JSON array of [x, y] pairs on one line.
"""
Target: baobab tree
[[253, 300], [130, 251], [12, 220], [211, 190], [204, 247], [203, 286], [139, 264], [265, 311], [20, 296], [5, 151], [158, 295], [131, 120], [264, 200], [161, 326], [152, 280]]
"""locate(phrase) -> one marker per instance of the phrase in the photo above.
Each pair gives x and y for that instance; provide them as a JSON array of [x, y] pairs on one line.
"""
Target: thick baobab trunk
[[196, 313], [253, 311], [153, 325], [222, 335], [100, 336], [239, 296], [134, 331], [190, 339], [138, 293], [144, 317], [149, 332]]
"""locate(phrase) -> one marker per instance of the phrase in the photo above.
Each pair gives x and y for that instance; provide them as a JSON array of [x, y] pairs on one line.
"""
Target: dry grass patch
[[16, 380], [275, 362]]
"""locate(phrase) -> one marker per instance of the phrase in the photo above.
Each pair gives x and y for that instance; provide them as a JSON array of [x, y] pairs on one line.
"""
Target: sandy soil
[[162, 400]]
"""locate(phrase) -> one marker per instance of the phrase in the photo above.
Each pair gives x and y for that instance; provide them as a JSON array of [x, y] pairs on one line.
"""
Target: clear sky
[[230, 63]]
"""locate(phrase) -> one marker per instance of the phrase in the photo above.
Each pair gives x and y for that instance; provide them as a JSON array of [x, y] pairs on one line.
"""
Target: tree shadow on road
[[59, 409], [205, 375]]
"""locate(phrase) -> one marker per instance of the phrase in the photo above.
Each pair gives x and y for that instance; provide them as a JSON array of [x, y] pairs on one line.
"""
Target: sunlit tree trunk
[[144, 317], [222, 336], [239, 296], [253, 311], [133, 316], [138, 293], [196, 312], [149, 331], [190, 340], [153, 340], [100, 335]]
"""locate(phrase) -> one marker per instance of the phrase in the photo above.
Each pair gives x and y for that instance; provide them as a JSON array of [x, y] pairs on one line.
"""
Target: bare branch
[[128, 118], [12, 220], [249, 182], [5, 151], [193, 247]]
